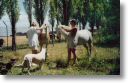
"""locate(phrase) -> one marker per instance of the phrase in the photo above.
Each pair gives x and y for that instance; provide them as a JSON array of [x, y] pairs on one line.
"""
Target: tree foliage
[[104, 13], [28, 8], [2, 7], [39, 6]]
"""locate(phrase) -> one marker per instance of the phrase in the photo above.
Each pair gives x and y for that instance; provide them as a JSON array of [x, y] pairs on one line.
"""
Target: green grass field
[[105, 62]]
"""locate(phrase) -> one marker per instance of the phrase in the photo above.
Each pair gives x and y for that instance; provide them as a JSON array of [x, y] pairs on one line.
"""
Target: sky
[[21, 26]]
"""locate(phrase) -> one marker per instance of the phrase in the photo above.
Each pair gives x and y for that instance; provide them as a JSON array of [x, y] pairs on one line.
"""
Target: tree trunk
[[83, 22], [41, 12], [92, 26], [13, 31], [57, 17], [39, 8], [13, 22], [86, 10], [52, 32], [65, 12], [30, 12], [37, 11]]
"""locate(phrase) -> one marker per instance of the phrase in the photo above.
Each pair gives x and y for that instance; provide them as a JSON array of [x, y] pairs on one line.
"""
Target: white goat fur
[[34, 58]]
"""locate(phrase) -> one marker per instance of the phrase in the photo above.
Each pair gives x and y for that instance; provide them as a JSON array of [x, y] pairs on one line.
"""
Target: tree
[[28, 8], [56, 11], [2, 7], [13, 12], [108, 16], [53, 9], [113, 22], [66, 11], [93, 15], [104, 13], [39, 6], [114, 17], [60, 9], [85, 16]]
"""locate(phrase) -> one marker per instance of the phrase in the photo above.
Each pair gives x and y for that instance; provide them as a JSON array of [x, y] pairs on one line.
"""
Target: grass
[[106, 62]]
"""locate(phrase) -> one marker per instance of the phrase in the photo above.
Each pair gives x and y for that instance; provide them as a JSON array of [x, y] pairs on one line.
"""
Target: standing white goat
[[34, 58]]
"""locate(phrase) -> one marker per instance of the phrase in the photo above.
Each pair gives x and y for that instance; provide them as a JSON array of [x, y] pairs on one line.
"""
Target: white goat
[[34, 58]]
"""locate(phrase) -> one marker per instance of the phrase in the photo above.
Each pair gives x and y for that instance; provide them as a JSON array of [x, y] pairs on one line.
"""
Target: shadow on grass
[[108, 66], [31, 71], [58, 64]]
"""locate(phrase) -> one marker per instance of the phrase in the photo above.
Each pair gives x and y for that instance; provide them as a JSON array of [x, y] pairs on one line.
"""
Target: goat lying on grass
[[33, 58]]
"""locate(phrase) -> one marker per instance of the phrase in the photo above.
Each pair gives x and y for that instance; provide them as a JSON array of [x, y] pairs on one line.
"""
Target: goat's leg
[[90, 49], [29, 71], [29, 67], [40, 65], [87, 48], [94, 50], [22, 69], [23, 65]]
